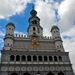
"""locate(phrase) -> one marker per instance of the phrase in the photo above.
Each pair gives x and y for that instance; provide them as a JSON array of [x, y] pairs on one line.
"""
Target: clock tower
[[34, 24], [34, 54]]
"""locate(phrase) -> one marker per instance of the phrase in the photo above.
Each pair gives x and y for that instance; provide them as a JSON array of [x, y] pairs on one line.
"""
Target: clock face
[[34, 42], [34, 39]]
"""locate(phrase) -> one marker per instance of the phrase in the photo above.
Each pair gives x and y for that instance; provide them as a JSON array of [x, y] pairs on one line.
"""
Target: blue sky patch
[[59, 1], [66, 37]]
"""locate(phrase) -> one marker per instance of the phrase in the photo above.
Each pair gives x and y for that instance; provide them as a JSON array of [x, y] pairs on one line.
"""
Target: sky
[[51, 12]]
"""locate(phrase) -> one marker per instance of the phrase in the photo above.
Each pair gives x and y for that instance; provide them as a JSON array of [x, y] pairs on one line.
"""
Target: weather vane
[[32, 6], [33, 2]]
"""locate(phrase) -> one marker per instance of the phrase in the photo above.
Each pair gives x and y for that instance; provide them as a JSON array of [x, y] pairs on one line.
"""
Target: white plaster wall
[[11, 31], [28, 45], [58, 43], [36, 31], [56, 34], [7, 48], [8, 41]]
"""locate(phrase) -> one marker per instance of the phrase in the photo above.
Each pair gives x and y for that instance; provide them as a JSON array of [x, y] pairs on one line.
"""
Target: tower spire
[[34, 24], [32, 6], [33, 12]]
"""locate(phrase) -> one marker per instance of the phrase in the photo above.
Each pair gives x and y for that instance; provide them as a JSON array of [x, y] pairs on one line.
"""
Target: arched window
[[60, 45], [57, 46], [55, 58], [28, 58], [40, 58], [12, 58], [38, 30], [61, 73], [50, 58], [33, 28], [54, 31], [34, 58], [26, 74], [8, 44], [17, 58], [9, 28], [23, 58], [60, 58], [50, 73], [34, 22], [9, 34], [14, 74], [38, 74], [34, 33], [45, 58]]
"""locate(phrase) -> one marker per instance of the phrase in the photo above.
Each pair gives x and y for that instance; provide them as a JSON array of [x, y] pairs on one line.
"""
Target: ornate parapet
[[21, 36], [46, 37], [25, 36]]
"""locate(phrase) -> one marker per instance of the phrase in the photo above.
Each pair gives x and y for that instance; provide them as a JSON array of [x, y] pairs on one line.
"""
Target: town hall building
[[34, 54]]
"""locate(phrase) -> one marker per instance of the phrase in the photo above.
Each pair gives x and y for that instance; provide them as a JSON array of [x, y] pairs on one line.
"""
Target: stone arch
[[45, 58], [17, 58], [38, 73], [34, 22], [12, 57], [55, 58], [50, 73], [61, 73], [26, 74], [14, 73], [23, 58], [34, 58], [60, 58], [34, 29], [50, 58], [28, 58], [40, 58]]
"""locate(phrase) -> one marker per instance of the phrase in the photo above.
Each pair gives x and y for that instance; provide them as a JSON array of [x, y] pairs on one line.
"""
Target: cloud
[[1, 40], [2, 33], [69, 46], [46, 14], [12, 7], [66, 12], [70, 32]]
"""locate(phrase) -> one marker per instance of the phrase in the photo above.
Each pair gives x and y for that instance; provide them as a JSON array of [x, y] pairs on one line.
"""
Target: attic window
[[54, 31], [9, 34], [17, 58], [38, 30], [34, 33], [34, 22], [55, 58], [12, 58], [9, 28], [33, 28]]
